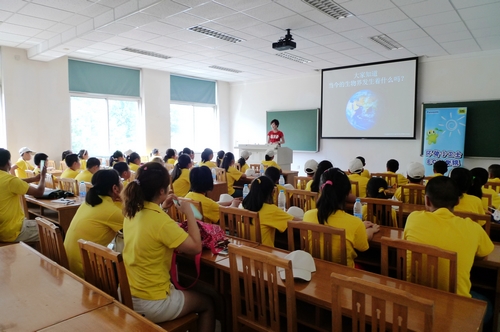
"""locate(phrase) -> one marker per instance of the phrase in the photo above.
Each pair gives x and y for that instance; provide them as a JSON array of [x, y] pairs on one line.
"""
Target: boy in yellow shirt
[[356, 168], [392, 167], [93, 165], [19, 168], [269, 160], [73, 164], [415, 173]]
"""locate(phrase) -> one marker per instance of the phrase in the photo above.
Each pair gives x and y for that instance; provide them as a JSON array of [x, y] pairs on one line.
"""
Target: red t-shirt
[[275, 137]]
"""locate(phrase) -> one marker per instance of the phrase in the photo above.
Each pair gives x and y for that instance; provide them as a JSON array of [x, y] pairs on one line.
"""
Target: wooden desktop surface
[[63, 213], [219, 189]]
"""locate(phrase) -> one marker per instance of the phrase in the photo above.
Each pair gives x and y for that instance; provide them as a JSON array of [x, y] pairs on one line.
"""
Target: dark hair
[[363, 161], [65, 153], [120, 167], [201, 179], [479, 179], [93, 162], [261, 191], [392, 165], [335, 186], [228, 159], [154, 152], [169, 154], [205, 155], [443, 192], [114, 157], [39, 157], [373, 187], [149, 180], [182, 162], [322, 166], [276, 122], [220, 155], [462, 178], [82, 153], [102, 184], [273, 173], [269, 158], [494, 171], [186, 151], [4, 157], [71, 159], [440, 167], [132, 157], [242, 162]]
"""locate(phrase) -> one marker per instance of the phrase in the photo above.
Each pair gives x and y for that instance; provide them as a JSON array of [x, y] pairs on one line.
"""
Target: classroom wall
[[450, 78]]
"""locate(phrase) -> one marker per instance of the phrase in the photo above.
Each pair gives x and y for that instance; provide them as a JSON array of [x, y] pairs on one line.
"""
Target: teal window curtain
[[103, 79], [192, 90]]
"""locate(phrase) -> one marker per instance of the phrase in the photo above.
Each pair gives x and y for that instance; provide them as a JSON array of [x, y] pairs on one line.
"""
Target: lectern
[[283, 156]]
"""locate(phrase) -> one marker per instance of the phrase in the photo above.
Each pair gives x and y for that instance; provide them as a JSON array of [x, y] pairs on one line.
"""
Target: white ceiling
[[98, 30]]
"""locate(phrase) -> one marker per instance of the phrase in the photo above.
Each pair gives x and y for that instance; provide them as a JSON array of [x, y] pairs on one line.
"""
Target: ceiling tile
[[360, 7], [468, 44], [115, 28], [418, 42], [76, 19], [317, 16], [211, 11], [184, 20], [403, 25], [12, 5], [437, 19], [316, 50], [346, 24], [165, 9], [97, 36], [360, 34], [19, 30], [452, 36], [145, 46], [485, 22], [138, 19], [427, 7], [487, 32], [165, 41], [139, 35], [159, 28], [188, 35], [125, 9], [356, 51], [385, 16], [59, 27], [405, 35], [446, 28], [480, 11], [44, 12], [11, 37], [489, 43], [429, 50], [343, 46], [110, 3], [262, 30], [237, 21], [94, 10], [328, 39], [312, 31], [241, 5], [30, 21], [297, 6], [73, 6], [292, 22], [269, 12]]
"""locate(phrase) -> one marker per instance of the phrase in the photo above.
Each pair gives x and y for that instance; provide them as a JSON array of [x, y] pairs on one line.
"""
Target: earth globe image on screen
[[361, 110]]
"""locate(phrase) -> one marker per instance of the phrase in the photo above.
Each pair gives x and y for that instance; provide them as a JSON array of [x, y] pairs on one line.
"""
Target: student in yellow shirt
[[134, 161], [269, 160], [98, 219], [392, 167], [151, 237], [480, 177], [180, 175], [439, 168], [376, 189], [467, 202], [356, 168], [232, 175], [123, 171], [116, 157], [155, 153], [274, 174], [322, 167], [415, 173], [272, 218], [73, 169], [93, 165], [244, 155], [83, 155], [206, 158], [19, 168], [365, 172], [170, 157], [37, 159], [494, 171], [220, 157]]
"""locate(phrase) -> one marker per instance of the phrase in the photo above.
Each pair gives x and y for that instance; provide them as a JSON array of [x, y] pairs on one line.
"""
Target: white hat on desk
[[224, 198], [302, 265], [296, 212]]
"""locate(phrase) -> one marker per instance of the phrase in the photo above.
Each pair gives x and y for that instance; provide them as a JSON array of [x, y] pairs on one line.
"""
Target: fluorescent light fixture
[[330, 8], [292, 57], [387, 42], [226, 69], [216, 34], [148, 53]]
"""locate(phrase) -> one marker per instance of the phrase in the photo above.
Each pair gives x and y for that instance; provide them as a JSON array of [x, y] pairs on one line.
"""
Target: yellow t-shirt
[[401, 179], [98, 224], [11, 213], [69, 174], [84, 176], [210, 207], [469, 203], [495, 198], [232, 176], [244, 168], [182, 185], [355, 233], [398, 195], [270, 163], [209, 164], [365, 173], [362, 182], [133, 167], [83, 164], [271, 218], [22, 166], [150, 239], [171, 161], [308, 185], [443, 229]]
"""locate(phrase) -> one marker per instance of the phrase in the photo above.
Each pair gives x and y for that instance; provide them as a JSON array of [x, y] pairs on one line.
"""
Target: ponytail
[[102, 185], [335, 186], [261, 191], [182, 162], [242, 161]]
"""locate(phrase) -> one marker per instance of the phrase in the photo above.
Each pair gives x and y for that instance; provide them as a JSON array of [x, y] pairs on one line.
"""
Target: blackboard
[[482, 131], [299, 126]]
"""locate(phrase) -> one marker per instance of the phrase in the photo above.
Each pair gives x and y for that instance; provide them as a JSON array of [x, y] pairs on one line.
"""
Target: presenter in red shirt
[[275, 136]]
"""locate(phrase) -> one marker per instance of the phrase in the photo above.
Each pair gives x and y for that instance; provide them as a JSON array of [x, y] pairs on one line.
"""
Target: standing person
[[19, 168], [275, 136], [134, 161], [206, 158], [180, 175], [150, 237], [93, 165], [83, 155], [232, 175]]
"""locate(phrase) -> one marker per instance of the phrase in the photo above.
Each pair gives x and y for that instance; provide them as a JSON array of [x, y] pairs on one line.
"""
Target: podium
[[283, 156]]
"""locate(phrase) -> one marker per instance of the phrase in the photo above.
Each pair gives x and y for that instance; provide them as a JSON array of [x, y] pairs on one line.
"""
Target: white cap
[[250, 172], [245, 154], [288, 186], [24, 149], [224, 198], [355, 166], [302, 265], [296, 212], [415, 170], [128, 152], [311, 166], [270, 153]]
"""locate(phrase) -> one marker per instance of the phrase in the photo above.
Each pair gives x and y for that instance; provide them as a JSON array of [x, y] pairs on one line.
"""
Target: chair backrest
[[413, 194], [378, 300], [300, 182], [70, 185], [132, 176], [261, 310], [390, 178], [88, 185], [51, 242], [355, 187], [380, 211], [304, 199], [493, 185], [318, 240], [238, 222], [479, 218], [255, 167], [49, 181], [24, 206], [50, 163], [62, 165], [169, 167], [488, 198], [220, 174], [176, 214], [104, 268], [29, 173], [423, 266]]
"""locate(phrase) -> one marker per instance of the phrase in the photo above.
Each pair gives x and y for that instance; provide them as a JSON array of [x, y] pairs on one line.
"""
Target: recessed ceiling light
[[226, 69], [148, 53], [292, 57], [387, 42], [216, 34], [330, 8]]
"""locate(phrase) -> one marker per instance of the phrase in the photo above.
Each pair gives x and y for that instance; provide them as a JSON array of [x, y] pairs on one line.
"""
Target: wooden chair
[[378, 301], [423, 267], [49, 181], [380, 211], [50, 163], [239, 222], [175, 213], [255, 167], [304, 199], [62, 165], [88, 185], [29, 173], [132, 176], [51, 242], [318, 240], [390, 178], [479, 218], [70, 185], [104, 268], [220, 174], [493, 185], [413, 194], [300, 182], [24, 206], [488, 198], [354, 188], [261, 305]]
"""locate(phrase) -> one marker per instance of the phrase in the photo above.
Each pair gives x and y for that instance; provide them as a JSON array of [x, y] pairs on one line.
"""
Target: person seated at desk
[[123, 171], [93, 165], [170, 157], [63, 157], [439, 168], [151, 237], [314, 184], [494, 171], [98, 219], [206, 158], [134, 161], [365, 173], [73, 169], [37, 159], [232, 175], [116, 157], [22, 165], [14, 227], [220, 157], [180, 175], [438, 226], [376, 189], [83, 155], [392, 167], [480, 176], [244, 155], [467, 203], [335, 188], [310, 168], [415, 173], [269, 160], [355, 170]]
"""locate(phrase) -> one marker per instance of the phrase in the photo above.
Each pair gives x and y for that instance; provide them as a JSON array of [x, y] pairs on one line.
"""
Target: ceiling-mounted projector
[[285, 43]]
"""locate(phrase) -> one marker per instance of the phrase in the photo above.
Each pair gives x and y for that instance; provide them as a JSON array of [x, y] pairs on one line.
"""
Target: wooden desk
[[58, 213], [37, 293], [219, 189], [289, 176]]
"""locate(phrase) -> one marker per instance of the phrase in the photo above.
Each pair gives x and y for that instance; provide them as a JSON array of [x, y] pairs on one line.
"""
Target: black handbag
[[56, 193]]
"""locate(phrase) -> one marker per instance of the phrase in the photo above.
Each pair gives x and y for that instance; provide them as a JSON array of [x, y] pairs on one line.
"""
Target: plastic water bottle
[[214, 174], [281, 181], [358, 209], [282, 200], [82, 189], [261, 170], [245, 191]]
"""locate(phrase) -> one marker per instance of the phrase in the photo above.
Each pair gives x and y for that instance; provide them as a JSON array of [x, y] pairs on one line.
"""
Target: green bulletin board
[[300, 128]]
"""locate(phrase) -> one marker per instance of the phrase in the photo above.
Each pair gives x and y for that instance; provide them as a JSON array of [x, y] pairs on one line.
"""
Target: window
[[194, 126], [103, 125]]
